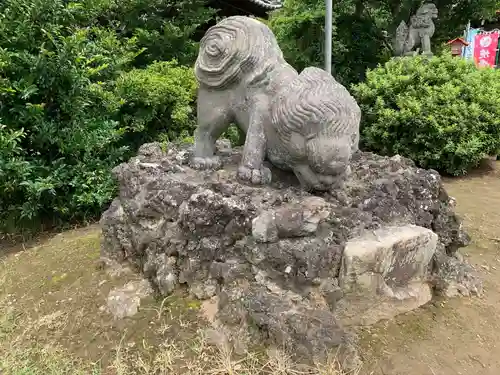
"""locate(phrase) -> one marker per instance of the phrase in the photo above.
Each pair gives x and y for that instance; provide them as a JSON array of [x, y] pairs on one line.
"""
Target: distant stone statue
[[419, 32], [307, 123]]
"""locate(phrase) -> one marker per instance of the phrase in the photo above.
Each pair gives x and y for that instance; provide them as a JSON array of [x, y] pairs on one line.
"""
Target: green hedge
[[442, 112], [157, 100]]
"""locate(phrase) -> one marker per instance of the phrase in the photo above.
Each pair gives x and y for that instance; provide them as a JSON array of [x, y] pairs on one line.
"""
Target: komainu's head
[[317, 123], [428, 11]]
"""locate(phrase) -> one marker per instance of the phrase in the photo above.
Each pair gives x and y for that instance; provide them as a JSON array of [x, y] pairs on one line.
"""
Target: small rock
[[264, 227], [223, 146], [167, 275], [216, 338], [125, 301], [112, 267], [453, 278]]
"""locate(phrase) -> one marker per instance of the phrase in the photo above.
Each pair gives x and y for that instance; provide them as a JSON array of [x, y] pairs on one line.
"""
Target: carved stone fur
[[315, 129], [419, 33], [307, 123]]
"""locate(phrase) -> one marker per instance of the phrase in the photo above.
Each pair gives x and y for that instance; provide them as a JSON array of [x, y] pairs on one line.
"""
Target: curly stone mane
[[423, 17], [315, 106]]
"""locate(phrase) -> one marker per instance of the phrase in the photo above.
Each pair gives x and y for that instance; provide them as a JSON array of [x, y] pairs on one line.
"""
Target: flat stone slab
[[384, 273]]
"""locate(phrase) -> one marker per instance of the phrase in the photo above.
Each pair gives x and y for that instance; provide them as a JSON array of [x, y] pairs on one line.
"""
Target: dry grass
[[52, 322], [172, 358], [20, 353]]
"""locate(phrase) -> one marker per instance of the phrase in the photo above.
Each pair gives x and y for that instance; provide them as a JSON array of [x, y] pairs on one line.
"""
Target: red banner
[[485, 49]]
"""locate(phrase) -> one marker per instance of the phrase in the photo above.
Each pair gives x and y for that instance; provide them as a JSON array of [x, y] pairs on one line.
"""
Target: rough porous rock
[[271, 256], [453, 277]]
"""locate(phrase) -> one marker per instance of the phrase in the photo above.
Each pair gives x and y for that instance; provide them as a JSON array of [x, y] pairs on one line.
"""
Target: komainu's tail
[[233, 49], [401, 37]]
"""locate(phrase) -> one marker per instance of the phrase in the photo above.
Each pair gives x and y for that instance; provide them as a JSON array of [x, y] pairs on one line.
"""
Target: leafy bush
[[158, 99], [73, 106], [15, 170], [166, 29], [442, 112]]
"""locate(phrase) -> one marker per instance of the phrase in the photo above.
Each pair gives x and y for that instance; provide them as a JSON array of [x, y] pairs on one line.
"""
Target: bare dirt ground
[[52, 319], [458, 336]]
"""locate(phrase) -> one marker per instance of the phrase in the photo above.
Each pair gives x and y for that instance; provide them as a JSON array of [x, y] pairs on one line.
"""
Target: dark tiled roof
[[268, 4]]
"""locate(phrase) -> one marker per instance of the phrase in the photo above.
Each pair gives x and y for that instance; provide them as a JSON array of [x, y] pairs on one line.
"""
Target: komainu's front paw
[[200, 163], [260, 176]]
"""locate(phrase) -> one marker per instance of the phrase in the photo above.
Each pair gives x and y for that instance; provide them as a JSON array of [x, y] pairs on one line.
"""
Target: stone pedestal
[[281, 264]]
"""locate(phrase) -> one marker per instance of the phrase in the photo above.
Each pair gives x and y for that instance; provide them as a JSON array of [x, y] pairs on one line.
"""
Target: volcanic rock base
[[280, 265]]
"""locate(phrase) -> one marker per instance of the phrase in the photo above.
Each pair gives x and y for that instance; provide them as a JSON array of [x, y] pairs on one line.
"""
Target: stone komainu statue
[[419, 33], [307, 123]]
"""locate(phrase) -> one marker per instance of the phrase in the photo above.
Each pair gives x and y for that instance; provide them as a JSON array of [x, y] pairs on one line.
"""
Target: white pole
[[466, 34], [328, 36]]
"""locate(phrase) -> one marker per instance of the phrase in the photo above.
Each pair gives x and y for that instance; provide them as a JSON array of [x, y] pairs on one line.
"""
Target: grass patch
[[53, 322]]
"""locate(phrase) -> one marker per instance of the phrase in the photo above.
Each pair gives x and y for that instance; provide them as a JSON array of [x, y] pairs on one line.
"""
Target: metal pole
[[328, 36], [466, 34]]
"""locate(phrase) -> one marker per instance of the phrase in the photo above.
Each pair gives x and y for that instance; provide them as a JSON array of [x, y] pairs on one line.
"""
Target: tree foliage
[[442, 112], [362, 30], [75, 101]]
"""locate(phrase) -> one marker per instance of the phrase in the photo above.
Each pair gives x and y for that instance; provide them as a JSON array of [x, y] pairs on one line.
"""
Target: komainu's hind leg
[[426, 45], [214, 117]]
